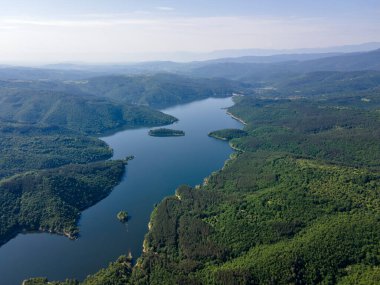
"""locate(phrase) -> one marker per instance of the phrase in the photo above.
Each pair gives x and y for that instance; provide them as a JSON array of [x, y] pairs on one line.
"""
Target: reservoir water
[[159, 167]]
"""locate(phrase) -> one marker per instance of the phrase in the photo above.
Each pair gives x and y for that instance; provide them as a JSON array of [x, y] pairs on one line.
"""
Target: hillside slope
[[51, 200], [159, 90], [83, 113], [268, 72], [298, 203]]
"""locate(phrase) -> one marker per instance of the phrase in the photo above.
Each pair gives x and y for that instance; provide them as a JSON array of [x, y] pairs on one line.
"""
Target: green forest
[[228, 134], [36, 155], [297, 203], [164, 132], [52, 200], [52, 165]]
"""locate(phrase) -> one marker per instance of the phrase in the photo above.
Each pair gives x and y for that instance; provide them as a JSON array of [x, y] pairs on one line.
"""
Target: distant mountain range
[[250, 69], [193, 56], [268, 52]]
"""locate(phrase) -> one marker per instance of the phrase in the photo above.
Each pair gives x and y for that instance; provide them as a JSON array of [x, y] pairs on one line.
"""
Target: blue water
[[159, 167]]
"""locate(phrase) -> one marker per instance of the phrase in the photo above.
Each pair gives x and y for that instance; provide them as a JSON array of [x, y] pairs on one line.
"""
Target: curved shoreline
[[233, 156], [141, 153], [236, 118]]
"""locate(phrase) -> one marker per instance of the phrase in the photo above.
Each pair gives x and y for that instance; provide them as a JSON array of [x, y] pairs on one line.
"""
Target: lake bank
[[159, 167]]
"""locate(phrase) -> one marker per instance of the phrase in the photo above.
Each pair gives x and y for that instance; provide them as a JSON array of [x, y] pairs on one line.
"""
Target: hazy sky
[[123, 30]]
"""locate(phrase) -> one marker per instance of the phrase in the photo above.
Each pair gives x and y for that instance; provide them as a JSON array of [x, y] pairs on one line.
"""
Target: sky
[[135, 30]]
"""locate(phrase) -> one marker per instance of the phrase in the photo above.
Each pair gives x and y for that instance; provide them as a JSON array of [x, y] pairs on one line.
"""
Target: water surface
[[159, 167]]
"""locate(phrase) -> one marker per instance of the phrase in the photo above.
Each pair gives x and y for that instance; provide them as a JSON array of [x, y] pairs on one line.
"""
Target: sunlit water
[[159, 167]]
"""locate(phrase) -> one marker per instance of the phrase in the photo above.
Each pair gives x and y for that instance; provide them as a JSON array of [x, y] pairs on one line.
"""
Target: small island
[[122, 216], [162, 132]]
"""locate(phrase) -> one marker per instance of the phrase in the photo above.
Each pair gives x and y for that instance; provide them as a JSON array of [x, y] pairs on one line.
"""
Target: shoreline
[[236, 118], [71, 236], [145, 245], [233, 156]]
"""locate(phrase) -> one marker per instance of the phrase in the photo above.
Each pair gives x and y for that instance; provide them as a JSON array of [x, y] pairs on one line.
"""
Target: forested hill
[[165, 77], [298, 203], [101, 104], [345, 62], [159, 90], [46, 124], [83, 113], [50, 168], [52, 200], [351, 89], [155, 90]]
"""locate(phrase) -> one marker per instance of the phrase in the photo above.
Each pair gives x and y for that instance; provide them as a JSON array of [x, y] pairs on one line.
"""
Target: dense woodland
[[164, 132], [51, 165], [48, 123], [228, 134], [42, 130], [82, 113], [51, 200], [160, 90], [297, 203], [26, 147]]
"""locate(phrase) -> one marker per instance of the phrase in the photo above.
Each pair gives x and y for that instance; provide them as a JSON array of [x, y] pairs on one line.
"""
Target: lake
[[161, 164]]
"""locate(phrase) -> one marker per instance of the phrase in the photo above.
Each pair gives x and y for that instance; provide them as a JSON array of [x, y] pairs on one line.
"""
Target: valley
[[296, 199]]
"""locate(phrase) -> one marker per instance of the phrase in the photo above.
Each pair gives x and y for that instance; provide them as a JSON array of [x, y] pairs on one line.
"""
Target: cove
[[161, 164]]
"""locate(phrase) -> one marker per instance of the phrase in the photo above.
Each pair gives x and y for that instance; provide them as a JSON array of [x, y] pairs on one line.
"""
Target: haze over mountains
[[251, 69], [217, 54], [316, 110], [241, 138]]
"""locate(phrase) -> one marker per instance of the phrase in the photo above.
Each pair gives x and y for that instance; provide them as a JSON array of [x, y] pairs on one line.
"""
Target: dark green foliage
[[295, 221], [344, 89], [159, 90], [43, 125], [281, 212], [163, 132], [166, 233], [83, 113], [298, 204], [155, 90], [319, 130], [25, 147], [329, 82], [228, 134], [51, 200], [45, 281], [117, 273], [361, 275]]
